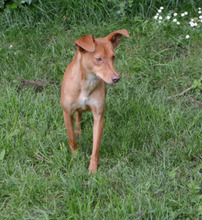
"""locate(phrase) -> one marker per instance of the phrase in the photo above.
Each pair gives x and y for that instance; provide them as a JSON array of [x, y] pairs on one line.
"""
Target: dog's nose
[[115, 79]]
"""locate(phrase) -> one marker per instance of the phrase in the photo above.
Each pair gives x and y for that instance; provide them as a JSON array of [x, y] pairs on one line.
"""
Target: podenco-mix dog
[[84, 88]]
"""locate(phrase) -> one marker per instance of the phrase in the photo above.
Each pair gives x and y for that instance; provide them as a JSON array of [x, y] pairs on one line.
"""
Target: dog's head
[[97, 55]]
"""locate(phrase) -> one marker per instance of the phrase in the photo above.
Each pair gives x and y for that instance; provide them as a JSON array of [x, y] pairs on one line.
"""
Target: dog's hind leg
[[70, 131]]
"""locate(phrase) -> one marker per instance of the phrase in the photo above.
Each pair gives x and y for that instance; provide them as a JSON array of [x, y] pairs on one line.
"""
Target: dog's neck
[[89, 80]]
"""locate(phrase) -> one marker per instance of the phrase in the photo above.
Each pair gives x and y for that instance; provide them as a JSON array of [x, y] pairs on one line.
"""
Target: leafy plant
[[197, 85], [11, 5]]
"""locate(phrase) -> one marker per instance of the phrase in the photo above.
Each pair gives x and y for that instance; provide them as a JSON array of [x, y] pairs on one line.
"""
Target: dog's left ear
[[115, 36]]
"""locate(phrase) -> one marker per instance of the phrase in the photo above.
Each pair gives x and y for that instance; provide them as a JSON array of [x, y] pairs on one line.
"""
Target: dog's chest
[[88, 87], [85, 101]]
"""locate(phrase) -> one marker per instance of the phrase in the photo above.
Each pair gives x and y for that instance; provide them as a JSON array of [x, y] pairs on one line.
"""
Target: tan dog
[[84, 89]]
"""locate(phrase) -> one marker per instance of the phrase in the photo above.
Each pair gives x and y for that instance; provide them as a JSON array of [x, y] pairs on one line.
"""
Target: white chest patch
[[89, 86], [91, 82], [85, 101], [85, 97]]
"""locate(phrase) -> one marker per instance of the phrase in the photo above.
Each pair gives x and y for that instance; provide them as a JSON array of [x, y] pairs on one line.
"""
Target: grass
[[150, 158]]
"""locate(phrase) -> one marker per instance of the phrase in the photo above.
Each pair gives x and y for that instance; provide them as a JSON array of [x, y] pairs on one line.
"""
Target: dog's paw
[[93, 167]]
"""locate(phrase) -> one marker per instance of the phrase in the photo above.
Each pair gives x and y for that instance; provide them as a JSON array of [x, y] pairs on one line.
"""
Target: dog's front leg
[[97, 135], [70, 131]]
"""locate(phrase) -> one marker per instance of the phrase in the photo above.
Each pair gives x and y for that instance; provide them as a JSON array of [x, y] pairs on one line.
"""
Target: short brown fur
[[84, 89]]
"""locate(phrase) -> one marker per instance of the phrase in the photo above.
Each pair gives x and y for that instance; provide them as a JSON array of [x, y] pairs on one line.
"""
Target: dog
[[84, 87]]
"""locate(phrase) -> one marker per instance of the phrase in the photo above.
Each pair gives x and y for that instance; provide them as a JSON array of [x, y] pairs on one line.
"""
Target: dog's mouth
[[108, 82]]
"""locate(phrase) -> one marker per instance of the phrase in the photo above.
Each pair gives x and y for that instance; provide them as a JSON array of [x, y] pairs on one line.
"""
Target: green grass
[[150, 158]]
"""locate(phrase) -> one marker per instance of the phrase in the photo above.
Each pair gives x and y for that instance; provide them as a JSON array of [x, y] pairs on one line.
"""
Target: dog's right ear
[[86, 43]]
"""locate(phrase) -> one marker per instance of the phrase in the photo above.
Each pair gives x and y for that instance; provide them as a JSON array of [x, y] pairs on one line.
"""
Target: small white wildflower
[[161, 7], [174, 20], [200, 17], [155, 17], [192, 20], [175, 14], [199, 9], [159, 21], [168, 17], [159, 11], [191, 24], [187, 36], [160, 17], [157, 14], [195, 24], [10, 46], [182, 14], [178, 23], [185, 13], [199, 12]]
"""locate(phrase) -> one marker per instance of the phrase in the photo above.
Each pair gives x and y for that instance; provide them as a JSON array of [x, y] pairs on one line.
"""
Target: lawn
[[150, 158]]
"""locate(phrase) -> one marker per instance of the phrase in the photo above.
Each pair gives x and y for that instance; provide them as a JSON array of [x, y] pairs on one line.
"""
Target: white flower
[[10, 46], [161, 7], [174, 20], [199, 9], [187, 36], [159, 21], [199, 12], [200, 17], [182, 14], [175, 14], [157, 14], [168, 17], [191, 23], [159, 10], [185, 13], [160, 17], [178, 23], [155, 17], [192, 20]]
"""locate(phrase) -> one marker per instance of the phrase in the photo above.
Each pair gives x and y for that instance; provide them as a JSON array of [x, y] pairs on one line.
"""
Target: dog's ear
[[115, 36], [86, 43]]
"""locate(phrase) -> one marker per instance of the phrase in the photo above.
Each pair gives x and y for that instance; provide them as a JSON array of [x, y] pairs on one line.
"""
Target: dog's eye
[[99, 59], [113, 58]]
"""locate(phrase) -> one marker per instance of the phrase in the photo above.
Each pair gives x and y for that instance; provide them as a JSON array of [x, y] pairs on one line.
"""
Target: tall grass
[[85, 11], [150, 158]]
